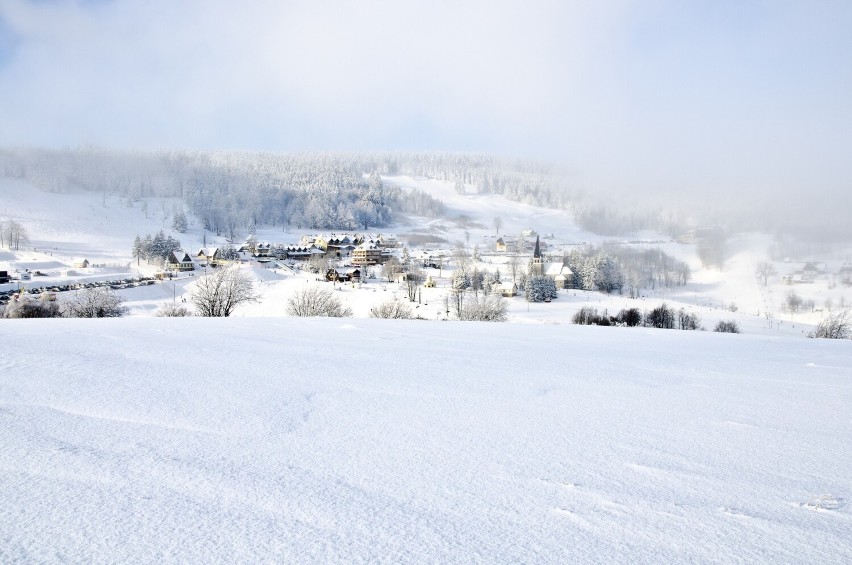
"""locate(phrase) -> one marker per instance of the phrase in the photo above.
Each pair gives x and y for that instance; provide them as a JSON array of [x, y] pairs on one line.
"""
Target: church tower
[[537, 264]]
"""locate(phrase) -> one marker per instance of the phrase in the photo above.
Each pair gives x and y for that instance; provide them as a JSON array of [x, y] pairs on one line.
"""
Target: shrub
[[392, 309], [630, 317], [22, 307], [727, 326], [313, 301], [688, 321], [489, 308], [835, 326], [660, 317], [173, 310], [99, 302]]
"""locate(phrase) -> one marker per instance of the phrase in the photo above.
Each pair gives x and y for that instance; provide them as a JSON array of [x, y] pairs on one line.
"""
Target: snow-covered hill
[[325, 441], [67, 226]]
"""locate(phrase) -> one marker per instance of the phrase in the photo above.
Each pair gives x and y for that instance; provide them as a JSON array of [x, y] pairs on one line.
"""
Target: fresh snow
[[326, 440]]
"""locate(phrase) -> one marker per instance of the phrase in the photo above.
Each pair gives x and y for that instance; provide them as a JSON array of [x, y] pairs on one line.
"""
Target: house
[[367, 254], [508, 289], [388, 241], [81, 263], [844, 275], [180, 261], [263, 249], [500, 245], [562, 276], [343, 275], [810, 271], [338, 246], [529, 232], [302, 252], [209, 256]]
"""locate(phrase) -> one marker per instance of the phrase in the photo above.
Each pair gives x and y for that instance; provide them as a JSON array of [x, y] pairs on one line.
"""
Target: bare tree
[[765, 269], [391, 268], [98, 302], [498, 223], [793, 301], [317, 301], [392, 309], [13, 235], [217, 295], [413, 279]]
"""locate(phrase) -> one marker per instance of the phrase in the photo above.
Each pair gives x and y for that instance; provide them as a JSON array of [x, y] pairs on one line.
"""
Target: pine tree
[[539, 289], [179, 223], [138, 249]]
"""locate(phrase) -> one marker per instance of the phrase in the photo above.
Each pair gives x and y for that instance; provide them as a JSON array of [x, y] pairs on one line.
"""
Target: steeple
[[537, 265]]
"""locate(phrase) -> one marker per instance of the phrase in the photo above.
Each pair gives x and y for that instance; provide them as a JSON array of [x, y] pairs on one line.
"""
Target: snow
[[268, 438], [322, 440], [66, 226]]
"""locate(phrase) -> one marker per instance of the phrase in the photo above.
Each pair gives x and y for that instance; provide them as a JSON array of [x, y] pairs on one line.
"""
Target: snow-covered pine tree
[[539, 289]]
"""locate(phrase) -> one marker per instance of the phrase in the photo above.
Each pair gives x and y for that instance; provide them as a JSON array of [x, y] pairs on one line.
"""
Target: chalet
[[388, 241], [263, 249], [500, 245], [367, 254], [180, 261], [508, 289], [338, 246], [562, 276], [844, 275], [302, 252], [81, 263], [343, 275], [209, 256], [810, 271]]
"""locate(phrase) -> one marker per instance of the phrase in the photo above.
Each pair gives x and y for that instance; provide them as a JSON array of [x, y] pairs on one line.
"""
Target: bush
[[489, 308], [99, 302], [688, 321], [630, 317], [313, 301], [589, 316], [835, 326], [22, 307], [392, 309], [727, 326], [173, 310], [660, 317]]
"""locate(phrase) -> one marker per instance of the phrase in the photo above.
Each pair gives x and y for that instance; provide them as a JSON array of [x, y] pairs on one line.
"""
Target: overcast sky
[[667, 95]]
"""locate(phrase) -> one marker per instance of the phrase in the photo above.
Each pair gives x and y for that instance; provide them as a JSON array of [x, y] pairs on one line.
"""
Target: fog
[[691, 102]]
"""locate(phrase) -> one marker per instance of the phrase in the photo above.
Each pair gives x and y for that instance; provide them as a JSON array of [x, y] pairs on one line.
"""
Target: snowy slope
[[318, 441]]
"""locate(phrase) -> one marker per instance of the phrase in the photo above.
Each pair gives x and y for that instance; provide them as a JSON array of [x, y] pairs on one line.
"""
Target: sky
[[711, 97]]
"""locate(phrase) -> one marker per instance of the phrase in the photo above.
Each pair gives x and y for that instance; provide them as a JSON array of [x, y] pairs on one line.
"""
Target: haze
[[671, 98]]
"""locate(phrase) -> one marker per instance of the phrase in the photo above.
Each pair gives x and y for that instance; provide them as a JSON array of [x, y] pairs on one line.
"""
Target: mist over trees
[[230, 192]]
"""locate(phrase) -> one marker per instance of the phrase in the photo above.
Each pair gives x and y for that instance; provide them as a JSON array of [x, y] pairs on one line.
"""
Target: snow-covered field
[[266, 438], [329, 440]]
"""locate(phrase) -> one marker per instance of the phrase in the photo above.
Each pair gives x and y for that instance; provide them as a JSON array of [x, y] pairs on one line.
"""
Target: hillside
[[69, 225], [291, 440]]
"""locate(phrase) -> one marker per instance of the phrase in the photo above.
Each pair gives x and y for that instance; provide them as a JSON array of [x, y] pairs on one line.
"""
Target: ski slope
[[140, 440]]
